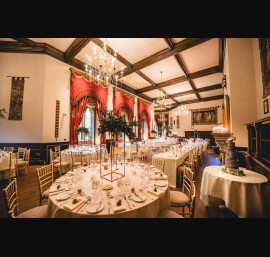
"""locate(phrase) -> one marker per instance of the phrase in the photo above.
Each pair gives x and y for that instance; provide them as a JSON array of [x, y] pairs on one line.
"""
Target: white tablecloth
[[128, 147], [147, 209], [247, 196], [172, 161], [4, 163]]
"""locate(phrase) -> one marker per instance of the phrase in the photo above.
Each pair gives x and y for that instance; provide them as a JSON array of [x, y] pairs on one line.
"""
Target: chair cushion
[[181, 168], [46, 193], [38, 212], [177, 197], [56, 161], [20, 163], [62, 164], [77, 163], [166, 213]]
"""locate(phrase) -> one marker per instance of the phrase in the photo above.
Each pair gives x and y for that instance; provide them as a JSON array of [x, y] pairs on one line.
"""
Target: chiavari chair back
[[76, 159], [12, 204], [158, 163], [9, 149], [57, 152], [11, 199], [45, 181], [21, 152], [25, 161]]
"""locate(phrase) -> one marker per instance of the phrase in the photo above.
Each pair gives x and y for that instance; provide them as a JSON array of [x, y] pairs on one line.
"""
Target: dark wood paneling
[[39, 151]]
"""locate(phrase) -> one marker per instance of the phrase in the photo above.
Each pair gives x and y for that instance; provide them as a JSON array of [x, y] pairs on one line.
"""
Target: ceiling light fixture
[[101, 69]]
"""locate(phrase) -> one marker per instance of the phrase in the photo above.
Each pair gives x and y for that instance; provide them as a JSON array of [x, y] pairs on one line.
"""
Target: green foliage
[[153, 132], [115, 124], [239, 172], [133, 123], [82, 130]]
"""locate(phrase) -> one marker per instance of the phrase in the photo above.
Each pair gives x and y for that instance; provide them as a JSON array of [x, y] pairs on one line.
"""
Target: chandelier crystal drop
[[101, 69], [181, 110]]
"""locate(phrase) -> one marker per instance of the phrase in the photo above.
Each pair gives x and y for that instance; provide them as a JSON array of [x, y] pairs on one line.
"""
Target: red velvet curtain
[[77, 112], [100, 116], [80, 90], [144, 108], [125, 101]]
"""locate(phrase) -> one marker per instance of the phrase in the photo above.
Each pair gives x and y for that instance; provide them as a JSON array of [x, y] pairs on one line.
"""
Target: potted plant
[[83, 130], [153, 132]]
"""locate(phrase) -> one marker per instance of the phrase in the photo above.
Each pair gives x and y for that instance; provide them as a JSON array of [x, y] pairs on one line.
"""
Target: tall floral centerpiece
[[115, 125]]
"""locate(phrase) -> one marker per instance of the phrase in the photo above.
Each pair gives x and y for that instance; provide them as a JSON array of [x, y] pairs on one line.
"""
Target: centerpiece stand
[[115, 125]]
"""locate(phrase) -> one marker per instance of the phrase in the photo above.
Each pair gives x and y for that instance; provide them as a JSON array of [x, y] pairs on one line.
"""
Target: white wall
[[30, 128], [49, 81], [185, 122], [241, 82]]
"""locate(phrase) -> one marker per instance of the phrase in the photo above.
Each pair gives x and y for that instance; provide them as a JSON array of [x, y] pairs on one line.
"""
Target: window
[[86, 122]]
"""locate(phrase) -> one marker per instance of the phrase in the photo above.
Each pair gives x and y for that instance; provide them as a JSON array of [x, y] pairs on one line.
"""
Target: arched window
[[87, 123]]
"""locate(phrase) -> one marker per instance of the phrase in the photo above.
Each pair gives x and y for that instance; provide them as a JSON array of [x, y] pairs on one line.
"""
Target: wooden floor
[[28, 192]]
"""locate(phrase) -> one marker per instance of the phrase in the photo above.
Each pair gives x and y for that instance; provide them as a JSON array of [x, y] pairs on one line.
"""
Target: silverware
[[86, 202], [99, 205], [146, 195], [139, 197], [81, 206], [127, 202], [130, 198], [69, 200]]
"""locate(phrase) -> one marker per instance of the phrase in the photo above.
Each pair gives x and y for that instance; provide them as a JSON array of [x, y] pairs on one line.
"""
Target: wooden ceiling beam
[[77, 45], [165, 53], [195, 75], [221, 53], [206, 99], [26, 41], [43, 48]]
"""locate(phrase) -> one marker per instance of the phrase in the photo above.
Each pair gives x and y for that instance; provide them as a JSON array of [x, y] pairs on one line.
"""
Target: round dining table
[[4, 163], [98, 203], [248, 196]]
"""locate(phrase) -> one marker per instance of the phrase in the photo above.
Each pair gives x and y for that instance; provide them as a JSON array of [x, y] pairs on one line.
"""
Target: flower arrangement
[[82, 130], [235, 172]]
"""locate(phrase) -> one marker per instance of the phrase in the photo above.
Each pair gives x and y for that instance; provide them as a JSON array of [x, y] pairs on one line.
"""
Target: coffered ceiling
[[191, 67]]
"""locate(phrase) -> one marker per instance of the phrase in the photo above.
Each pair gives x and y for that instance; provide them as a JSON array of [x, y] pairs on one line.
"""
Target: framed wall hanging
[[205, 116]]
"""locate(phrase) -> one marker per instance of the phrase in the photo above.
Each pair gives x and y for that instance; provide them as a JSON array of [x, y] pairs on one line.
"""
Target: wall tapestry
[[16, 99], [264, 44], [205, 116]]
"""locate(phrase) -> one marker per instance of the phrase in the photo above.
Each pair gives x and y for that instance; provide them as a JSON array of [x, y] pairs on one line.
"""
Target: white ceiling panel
[[154, 93], [177, 88], [170, 69], [212, 93], [7, 39], [177, 40], [136, 49], [61, 44], [89, 50], [186, 98], [202, 56], [135, 81], [208, 80]]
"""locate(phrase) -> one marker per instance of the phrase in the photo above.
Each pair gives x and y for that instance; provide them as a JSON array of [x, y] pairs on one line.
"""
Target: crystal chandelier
[[162, 102], [162, 118], [102, 69], [181, 110]]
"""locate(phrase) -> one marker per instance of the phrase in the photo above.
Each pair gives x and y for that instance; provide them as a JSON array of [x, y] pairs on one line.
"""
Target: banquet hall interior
[[134, 128]]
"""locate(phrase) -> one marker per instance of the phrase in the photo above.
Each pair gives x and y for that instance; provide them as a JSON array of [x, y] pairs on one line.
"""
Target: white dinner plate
[[93, 208], [161, 183], [63, 197], [137, 199]]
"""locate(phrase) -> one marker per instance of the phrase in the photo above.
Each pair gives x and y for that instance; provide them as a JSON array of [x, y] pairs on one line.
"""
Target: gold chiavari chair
[[25, 161], [77, 159], [12, 204], [158, 163], [181, 199], [60, 165], [168, 214], [45, 181], [12, 168], [21, 152], [57, 153], [134, 152]]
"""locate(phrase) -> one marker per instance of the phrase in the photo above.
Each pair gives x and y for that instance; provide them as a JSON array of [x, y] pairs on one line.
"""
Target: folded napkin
[[151, 191], [158, 177], [54, 189], [118, 208], [71, 206]]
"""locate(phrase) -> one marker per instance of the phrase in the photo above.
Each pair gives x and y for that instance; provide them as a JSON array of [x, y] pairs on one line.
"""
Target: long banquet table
[[147, 209], [247, 196], [173, 160]]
